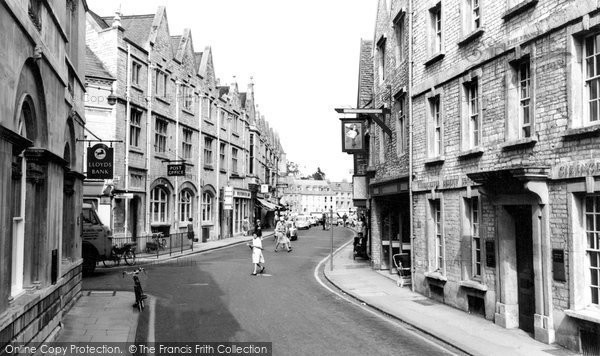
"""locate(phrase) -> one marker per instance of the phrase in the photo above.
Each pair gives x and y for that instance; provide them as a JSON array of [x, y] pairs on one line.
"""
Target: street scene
[[262, 177]]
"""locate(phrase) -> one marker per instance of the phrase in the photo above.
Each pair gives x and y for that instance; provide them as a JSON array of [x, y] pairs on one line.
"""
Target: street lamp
[[111, 98]]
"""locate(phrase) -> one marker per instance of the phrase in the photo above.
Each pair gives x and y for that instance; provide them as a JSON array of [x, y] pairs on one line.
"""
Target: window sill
[[223, 171], [207, 223], [520, 143], [136, 150], [224, 130], [160, 156], [472, 153], [518, 9], [591, 314], [236, 176], [581, 132], [187, 111], [470, 37], [436, 57], [137, 87], [435, 160], [209, 167], [473, 285], [436, 276], [162, 100], [209, 122], [235, 134]]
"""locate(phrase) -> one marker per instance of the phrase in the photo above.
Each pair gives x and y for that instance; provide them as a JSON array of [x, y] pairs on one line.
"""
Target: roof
[[223, 90], [94, 67], [175, 43], [137, 27], [103, 24], [243, 100]]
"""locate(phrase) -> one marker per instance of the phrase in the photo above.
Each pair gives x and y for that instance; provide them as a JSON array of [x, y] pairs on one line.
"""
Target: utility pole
[[331, 227]]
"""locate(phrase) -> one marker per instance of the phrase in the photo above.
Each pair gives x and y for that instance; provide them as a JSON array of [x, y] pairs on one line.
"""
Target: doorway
[[133, 217], [521, 215]]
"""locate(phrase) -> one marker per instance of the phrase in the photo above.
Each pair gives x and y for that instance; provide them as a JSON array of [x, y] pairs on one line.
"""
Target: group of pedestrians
[[282, 238]]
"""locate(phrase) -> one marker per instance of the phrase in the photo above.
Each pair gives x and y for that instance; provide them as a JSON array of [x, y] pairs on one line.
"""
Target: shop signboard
[[228, 198], [177, 170], [100, 163]]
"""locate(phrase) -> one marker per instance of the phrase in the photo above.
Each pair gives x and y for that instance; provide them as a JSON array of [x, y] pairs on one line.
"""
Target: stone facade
[[306, 196], [171, 109], [42, 116], [505, 172]]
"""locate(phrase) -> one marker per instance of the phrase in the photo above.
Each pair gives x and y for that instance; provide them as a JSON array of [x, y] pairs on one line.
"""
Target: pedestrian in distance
[[257, 255], [245, 226], [258, 228], [190, 230], [281, 233], [344, 218], [324, 220]]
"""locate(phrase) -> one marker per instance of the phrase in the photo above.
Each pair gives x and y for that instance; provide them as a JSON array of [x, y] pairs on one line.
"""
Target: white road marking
[[362, 305], [151, 319]]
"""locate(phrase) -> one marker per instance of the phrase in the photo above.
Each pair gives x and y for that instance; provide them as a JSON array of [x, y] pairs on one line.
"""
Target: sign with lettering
[[176, 170], [576, 169], [228, 198], [100, 163], [446, 182], [242, 194], [264, 188]]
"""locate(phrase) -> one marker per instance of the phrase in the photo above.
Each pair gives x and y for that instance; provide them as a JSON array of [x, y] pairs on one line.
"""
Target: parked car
[[312, 220], [302, 222], [293, 231], [318, 217]]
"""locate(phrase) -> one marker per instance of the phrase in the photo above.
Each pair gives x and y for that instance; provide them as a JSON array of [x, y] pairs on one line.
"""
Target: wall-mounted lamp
[[111, 98]]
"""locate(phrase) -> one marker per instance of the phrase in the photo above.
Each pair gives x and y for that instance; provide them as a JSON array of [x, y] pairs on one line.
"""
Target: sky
[[303, 56]]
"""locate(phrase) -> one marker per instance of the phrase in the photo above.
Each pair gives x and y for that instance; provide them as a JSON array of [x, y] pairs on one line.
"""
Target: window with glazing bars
[[592, 75], [592, 230], [160, 136], [135, 128], [473, 113], [208, 151], [524, 98], [476, 239], [186, 143]]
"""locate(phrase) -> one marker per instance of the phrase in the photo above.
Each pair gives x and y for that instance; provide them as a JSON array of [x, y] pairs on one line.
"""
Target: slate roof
[[94, 67], [223, 90], [137, 27]]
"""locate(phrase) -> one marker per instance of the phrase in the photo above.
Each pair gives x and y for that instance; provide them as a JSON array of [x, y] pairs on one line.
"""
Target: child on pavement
[[257, 255]]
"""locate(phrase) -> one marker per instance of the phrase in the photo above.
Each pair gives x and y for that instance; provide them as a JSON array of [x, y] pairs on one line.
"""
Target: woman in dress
[[282, 239], [257, 255]]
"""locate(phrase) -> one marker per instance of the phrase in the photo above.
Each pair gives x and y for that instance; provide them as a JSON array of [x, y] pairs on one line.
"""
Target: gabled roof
[[99, 20], [198, 59], [175, 44], [137, 27], [94, 67]]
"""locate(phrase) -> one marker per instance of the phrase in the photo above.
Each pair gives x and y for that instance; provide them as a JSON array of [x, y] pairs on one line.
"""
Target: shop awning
[[267, 205]]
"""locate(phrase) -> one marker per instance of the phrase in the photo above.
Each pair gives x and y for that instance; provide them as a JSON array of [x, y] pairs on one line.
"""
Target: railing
[[157, 244]]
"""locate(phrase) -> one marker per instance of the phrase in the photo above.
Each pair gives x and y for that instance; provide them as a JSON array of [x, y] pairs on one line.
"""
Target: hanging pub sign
[[100, 162], [176, 169], [353, 138]]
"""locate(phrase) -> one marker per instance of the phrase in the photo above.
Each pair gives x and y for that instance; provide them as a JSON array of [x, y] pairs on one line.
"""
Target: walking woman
[[281, 233], [257, 255]]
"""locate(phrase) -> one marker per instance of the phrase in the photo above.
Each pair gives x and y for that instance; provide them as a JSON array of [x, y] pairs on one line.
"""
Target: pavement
[[469, 333], [108, 316]]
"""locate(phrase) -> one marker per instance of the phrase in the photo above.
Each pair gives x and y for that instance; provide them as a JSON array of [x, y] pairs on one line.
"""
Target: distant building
[[305, 196], [42, 67]]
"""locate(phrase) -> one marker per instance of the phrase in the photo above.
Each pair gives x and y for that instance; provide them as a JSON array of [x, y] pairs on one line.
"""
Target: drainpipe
[[177, 112], [410, 145], [148, 145], [127, 143], [218, 151], [199, 173]]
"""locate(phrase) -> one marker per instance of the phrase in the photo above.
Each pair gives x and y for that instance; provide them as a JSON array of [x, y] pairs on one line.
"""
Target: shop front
[[241, 209]]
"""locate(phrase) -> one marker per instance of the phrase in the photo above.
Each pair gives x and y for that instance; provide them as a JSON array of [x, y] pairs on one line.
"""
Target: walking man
[[190, 230], [324, 220]]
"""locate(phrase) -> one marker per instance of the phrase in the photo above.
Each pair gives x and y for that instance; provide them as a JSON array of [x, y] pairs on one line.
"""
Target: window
[[234, 160], [185, 205], [435, 145], [160, 83], [136, 69], [592, 78], [251, 165], [235, 123], [186, 143], [159, 205], [186, 94], [400, 109], [473, 17], [472, 95], [207, 203], [137, 180], [399, 31], [222, 157], [592, 232], [524, 99], [223, 118], [436, 214], [472, 228], [381, 59], [208, 151], [160, 136], [435, 15], [135, 128], [206, 103]]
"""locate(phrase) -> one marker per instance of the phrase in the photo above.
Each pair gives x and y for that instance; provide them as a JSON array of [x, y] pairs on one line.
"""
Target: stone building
[[42, 117], [171, 109], [305, 196], [503, 146]]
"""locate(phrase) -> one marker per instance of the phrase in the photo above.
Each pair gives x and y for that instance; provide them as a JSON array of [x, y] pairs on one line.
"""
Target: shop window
[[159, 205], [592, 246]]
